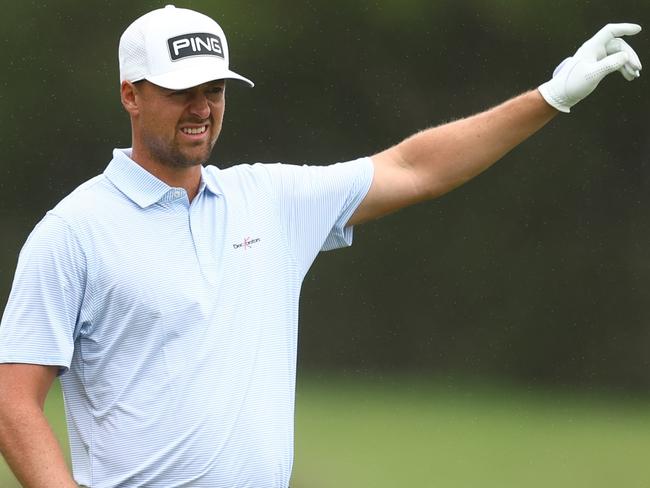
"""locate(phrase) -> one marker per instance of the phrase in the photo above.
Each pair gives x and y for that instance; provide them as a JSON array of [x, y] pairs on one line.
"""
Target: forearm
[[31, 449], [444, 157]]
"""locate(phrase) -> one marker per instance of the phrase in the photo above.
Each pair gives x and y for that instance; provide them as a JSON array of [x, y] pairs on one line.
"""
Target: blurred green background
[[534, 275]]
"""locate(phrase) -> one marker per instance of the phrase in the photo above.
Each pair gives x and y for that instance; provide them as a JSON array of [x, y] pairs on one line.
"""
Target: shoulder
[[244, 175], [93, 203], [281, 176], [240, 170], [86, 200]]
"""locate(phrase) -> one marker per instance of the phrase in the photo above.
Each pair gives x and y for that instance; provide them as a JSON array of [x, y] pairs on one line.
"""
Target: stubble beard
[[174, 156]]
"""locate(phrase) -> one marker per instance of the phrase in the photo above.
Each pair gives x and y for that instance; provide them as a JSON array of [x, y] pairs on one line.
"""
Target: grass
[[408, 432]]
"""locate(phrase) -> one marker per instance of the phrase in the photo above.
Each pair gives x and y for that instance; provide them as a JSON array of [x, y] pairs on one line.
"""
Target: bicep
[[395, 185], [25, 382]]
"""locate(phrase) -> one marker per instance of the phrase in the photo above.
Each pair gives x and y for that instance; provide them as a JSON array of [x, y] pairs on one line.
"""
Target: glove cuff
[[553, 98], [554, 91]]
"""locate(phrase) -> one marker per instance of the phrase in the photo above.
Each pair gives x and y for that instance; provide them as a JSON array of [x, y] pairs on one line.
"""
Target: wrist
[[551, 95], [556, 90]]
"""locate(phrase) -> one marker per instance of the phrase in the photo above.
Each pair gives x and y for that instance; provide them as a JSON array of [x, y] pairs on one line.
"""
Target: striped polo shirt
[[174, 324]]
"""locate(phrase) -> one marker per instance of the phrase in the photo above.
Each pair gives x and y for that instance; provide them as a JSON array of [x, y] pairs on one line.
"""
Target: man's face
[[178, 128]]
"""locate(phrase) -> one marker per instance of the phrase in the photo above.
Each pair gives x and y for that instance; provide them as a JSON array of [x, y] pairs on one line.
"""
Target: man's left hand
[[577, 76]]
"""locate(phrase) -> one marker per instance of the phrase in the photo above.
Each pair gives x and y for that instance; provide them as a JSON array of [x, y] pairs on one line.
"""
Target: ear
[[129, 95]]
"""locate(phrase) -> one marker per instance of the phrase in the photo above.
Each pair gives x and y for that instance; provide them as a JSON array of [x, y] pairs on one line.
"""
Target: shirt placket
[[202, 242]]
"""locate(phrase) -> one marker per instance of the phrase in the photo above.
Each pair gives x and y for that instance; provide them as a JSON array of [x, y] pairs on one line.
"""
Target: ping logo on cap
[[196, 44]]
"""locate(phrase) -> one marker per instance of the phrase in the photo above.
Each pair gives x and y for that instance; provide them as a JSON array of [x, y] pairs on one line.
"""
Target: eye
[[214, 93]]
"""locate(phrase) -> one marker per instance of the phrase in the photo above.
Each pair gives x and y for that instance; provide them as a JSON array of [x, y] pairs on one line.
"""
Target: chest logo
[[246, 243]]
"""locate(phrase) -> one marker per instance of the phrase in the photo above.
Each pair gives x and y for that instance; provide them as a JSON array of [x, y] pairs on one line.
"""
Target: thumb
[[607, 65]]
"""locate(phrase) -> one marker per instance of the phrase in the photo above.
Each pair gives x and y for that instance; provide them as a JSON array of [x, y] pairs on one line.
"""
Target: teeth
[[200, 130]]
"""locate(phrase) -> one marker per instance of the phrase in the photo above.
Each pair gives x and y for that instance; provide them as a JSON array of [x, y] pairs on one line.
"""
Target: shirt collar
[[209, 181], [141, 186]]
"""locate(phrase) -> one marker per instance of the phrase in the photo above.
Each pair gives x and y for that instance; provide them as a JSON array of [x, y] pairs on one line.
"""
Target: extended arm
[[435, 161], [26, 439]]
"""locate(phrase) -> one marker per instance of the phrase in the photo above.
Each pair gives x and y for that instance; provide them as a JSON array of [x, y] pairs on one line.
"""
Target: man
[[165, 293]]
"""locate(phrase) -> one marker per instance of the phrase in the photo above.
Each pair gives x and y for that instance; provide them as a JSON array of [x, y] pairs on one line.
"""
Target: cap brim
[[181, 80]]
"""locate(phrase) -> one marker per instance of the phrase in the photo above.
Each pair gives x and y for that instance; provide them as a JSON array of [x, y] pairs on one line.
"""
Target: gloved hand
[[577, 76]]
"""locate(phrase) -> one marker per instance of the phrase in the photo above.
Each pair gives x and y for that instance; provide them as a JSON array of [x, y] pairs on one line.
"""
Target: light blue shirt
[[175, 323]]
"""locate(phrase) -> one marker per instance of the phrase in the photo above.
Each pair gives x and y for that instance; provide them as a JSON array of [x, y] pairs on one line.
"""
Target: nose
[[199, 106]]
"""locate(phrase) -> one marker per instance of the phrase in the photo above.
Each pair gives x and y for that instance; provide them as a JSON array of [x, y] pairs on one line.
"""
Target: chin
[[197, 159], [188, 157]]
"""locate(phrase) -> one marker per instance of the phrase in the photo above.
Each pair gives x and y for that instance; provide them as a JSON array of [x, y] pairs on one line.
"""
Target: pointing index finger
[[616, 30]]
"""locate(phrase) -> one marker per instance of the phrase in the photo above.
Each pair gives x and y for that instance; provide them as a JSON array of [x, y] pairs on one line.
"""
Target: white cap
[[175, 48]]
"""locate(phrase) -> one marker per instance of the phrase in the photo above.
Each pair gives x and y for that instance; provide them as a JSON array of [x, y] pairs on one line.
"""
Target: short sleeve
[[316, 202], [40, 322]]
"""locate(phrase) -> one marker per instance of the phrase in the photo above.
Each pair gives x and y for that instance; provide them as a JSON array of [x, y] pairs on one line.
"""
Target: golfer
[[164, 293]]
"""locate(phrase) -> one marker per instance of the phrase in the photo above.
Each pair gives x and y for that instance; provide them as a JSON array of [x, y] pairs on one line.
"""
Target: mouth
[[195, 133]]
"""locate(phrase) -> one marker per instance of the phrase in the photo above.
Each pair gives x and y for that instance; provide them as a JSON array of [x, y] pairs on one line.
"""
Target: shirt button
[[178, 193]]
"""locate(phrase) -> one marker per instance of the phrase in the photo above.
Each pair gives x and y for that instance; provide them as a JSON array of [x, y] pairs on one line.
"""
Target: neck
[[188, 178]]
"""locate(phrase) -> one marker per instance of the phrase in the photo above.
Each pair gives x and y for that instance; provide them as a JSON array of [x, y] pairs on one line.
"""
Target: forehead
[[146, 87]]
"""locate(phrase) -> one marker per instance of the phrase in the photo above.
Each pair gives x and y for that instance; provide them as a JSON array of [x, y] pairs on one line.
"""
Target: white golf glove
[[577, 76]]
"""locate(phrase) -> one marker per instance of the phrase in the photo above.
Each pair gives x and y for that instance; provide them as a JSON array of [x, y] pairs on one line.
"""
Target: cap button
[[169, 6]]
